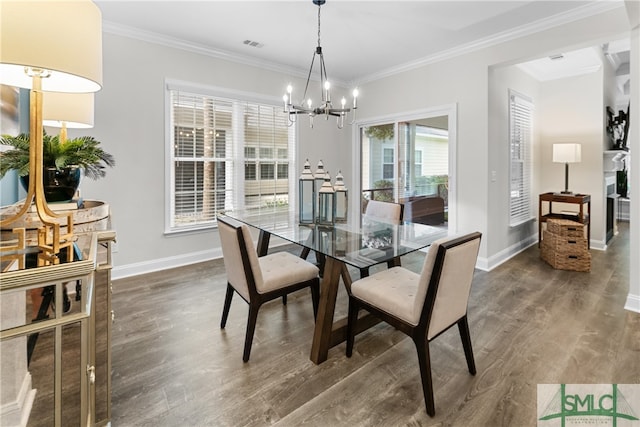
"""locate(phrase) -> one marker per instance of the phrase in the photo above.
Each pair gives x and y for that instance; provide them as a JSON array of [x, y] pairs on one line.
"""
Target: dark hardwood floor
[[530, 324]]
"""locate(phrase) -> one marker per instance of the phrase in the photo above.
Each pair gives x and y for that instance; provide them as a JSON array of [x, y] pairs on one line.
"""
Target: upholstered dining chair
[[422, 305], [260, 279], [385, 211]]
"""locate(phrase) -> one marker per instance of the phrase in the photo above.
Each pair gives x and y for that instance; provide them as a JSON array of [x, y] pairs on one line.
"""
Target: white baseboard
[[633, 303], [120, 272], [488, 264]]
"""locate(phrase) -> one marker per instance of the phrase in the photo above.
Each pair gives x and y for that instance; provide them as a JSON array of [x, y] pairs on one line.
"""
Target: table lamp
[[567, 153], [51, 46], [67, 111]]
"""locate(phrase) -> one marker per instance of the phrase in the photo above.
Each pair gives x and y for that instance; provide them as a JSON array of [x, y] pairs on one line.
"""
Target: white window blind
[[224, 154], [520, 135]]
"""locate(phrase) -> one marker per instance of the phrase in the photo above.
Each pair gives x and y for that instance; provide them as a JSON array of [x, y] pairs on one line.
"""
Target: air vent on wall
[[556, 57]]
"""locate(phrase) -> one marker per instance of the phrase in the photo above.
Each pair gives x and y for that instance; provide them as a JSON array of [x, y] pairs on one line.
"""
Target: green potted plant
[[62, 162]]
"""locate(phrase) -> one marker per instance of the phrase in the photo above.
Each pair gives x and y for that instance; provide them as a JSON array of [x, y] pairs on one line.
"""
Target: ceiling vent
[[253, 43], [556, 57]]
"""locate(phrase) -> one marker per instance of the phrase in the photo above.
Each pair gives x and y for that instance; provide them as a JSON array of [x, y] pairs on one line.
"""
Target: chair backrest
[[240, 257], [384, 210], [445, 281]]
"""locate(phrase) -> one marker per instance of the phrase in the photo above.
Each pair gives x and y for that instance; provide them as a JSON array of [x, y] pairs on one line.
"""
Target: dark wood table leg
[[324, 321]]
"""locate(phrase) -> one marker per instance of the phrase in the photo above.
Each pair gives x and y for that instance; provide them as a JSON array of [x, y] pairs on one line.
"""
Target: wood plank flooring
[[530, 324]]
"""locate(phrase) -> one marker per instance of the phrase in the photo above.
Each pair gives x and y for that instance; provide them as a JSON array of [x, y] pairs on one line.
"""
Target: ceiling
[[361, 40]]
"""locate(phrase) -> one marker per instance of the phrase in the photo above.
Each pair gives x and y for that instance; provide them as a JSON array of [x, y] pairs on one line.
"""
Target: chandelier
[[325, 107]]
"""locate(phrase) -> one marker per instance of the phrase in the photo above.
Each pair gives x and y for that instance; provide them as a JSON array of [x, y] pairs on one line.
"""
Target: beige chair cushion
[[392, 291], [282, 269], [384, 210]]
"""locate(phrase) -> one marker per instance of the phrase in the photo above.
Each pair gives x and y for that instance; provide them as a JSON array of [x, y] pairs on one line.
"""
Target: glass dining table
[[361, 244]]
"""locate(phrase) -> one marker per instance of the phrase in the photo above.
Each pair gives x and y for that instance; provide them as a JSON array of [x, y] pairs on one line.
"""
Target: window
[[417, 165], [266, 171], [250, 171], [520, 139], [222, 156], [387, 163], [283, 171]]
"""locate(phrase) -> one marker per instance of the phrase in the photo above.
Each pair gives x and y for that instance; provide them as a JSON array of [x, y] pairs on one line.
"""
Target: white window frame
[[236, 181], [521, 110]]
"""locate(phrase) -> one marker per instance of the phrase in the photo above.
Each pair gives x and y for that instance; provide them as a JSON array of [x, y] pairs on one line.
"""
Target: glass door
[[407, 162]]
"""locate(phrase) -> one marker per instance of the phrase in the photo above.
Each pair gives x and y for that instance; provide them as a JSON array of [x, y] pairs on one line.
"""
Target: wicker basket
[[562, 255], [565, 227], [558, 243]]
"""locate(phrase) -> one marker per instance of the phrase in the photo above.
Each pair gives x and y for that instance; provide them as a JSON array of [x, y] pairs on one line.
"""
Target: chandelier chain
[[318, 25]]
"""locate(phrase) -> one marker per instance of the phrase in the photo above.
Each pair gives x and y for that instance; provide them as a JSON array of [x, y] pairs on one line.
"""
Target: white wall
[[511, 239], [464, 80], [130, 123]]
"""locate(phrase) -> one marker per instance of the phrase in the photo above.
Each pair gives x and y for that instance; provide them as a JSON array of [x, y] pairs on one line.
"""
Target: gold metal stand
[[50, 239]]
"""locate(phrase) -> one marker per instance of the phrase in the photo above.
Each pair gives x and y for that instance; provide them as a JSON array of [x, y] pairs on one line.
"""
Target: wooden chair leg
[[463, 326], [422, 346], [284, 300], [251, 327], [351, 325], [227, 306], [315, 298], [305, 253]]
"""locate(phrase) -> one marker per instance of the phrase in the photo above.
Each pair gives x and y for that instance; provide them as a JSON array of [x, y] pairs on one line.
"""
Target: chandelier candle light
[[326, 107]]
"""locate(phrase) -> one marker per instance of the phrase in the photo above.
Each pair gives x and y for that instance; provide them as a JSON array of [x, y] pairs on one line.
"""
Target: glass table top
[[370, 242]]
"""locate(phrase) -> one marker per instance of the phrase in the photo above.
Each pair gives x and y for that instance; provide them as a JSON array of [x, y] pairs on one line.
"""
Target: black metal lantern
[[307, 196], [342, 199], [327, 201]]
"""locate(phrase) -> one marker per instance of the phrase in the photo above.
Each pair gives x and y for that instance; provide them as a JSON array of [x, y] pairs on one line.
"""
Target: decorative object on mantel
[[326, 107], [618, 128], [567, 153], [68, 59], [342, 198]]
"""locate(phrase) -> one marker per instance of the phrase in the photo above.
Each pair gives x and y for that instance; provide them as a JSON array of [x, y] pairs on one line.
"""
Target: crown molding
[[585, 11], [524, 30], [175, 43]]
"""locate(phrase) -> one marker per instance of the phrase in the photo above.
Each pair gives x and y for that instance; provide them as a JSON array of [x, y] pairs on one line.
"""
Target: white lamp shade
[[567, 153], [63, 37], [74, 109]]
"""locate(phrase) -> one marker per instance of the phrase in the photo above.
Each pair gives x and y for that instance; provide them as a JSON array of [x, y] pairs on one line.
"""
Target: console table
[[577, 199]]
